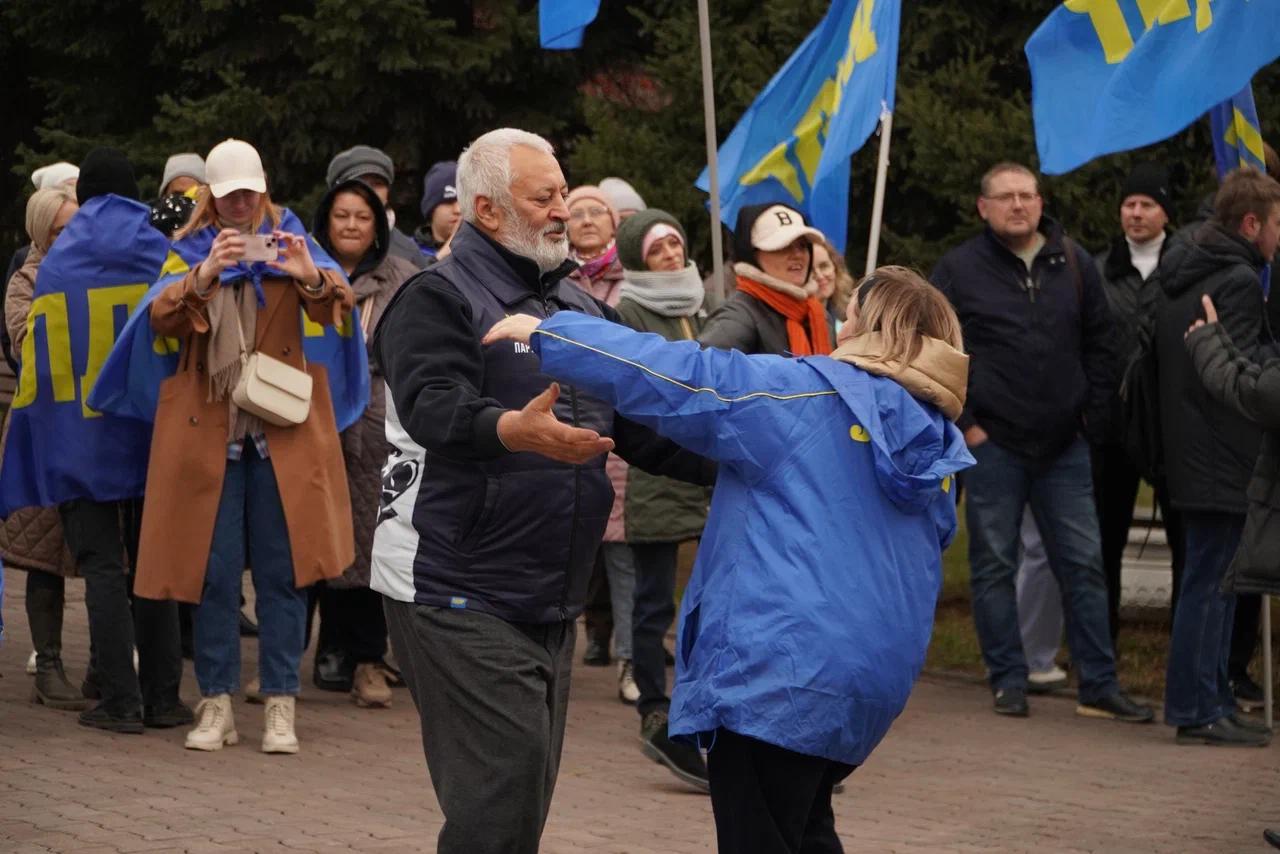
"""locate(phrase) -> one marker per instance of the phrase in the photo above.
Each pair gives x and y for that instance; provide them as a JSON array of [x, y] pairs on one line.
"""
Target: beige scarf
[[939, 375], [233, 327]]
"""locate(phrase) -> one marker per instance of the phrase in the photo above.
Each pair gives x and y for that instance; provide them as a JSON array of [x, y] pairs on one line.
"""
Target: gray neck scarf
[[671, 294]]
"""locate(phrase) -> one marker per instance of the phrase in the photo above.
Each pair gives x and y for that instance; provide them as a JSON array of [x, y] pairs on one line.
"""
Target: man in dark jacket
[[1042, 370], [1209, 449], [374, 167], [1128, 267], [495, 498]]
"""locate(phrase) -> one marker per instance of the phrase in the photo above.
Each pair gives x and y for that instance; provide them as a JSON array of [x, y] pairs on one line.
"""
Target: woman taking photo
[[662, 293], [230, 487], [351, 225], [807, 617]]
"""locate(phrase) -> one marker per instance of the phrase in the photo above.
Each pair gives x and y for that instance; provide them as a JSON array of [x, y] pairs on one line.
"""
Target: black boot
[[44, 614]]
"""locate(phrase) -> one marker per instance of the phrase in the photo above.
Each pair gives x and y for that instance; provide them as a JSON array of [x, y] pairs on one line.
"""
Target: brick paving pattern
[[951, 776]]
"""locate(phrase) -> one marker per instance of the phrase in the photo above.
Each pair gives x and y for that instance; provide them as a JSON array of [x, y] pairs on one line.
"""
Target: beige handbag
[[273, 390]]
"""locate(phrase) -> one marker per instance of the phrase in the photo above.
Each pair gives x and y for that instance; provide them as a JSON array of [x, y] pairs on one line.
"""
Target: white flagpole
[[713, 165], [877, 206]]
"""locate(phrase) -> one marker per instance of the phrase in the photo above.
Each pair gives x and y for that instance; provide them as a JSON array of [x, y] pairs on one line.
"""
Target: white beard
[[530, 242]]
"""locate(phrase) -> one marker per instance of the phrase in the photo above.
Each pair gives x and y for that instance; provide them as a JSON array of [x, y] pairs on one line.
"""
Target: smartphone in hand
[[261, 247]]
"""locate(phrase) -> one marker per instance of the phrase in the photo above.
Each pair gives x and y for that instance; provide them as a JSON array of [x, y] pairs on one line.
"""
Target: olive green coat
[[659, 509]]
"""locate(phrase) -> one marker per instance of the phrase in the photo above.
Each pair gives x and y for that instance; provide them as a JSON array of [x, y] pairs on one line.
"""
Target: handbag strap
[[244, 351], [366, 316]]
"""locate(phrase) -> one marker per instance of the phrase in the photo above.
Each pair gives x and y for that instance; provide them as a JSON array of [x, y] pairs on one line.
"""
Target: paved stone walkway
[[951, 776]]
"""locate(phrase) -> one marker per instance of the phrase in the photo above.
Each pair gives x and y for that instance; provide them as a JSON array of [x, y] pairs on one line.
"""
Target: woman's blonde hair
[[205, 214], [899, 304], [42, 210], [844, 281]]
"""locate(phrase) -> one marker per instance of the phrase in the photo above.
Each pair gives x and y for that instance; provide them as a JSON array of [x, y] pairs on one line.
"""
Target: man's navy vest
[[516, 536]]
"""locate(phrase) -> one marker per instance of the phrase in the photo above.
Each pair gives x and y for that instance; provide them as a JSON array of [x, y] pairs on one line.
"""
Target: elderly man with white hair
[[494, 498]]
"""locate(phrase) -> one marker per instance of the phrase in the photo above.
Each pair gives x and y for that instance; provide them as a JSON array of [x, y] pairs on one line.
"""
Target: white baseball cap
[[778, 227], [234, 164]]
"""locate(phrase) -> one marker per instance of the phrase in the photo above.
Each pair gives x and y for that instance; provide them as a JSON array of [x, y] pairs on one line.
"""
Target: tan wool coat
[[189, 447]]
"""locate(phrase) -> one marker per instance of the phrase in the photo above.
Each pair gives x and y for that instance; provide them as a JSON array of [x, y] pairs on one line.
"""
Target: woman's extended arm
[[721, 404]]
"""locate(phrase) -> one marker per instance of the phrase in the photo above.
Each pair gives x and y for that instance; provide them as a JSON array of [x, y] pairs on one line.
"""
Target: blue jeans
[[620, 566], [1197, 690], [655, 610], [249, 513], [1060, 494]]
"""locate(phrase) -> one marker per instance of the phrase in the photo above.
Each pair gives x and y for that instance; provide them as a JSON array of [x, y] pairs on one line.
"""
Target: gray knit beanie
[[358, 161], [631, 232], [187, 164]]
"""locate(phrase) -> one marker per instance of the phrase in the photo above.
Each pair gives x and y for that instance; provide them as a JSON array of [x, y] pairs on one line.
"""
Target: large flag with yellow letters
[[794, 142], [1111, 75], [58, 447]]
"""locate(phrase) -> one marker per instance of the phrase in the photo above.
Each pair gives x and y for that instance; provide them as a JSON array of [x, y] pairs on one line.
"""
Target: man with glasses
[[1038, 332]]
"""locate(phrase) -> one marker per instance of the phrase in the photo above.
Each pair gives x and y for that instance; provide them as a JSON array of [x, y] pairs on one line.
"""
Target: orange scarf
[[798, 312]]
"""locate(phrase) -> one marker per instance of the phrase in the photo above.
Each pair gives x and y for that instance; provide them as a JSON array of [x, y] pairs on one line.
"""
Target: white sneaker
[[31, 664], [215, 725], [628, 691], [277, 732], [1044, 681]]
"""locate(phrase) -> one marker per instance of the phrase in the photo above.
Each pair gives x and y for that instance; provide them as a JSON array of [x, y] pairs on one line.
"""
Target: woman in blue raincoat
[[809, 611]]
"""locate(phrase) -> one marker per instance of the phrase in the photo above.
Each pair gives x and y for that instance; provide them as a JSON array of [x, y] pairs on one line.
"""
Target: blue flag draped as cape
[[58, 448], [130, 381]]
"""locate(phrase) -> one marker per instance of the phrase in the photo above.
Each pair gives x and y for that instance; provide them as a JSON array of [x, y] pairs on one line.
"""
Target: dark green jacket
[[659, 509], [1253, 390]]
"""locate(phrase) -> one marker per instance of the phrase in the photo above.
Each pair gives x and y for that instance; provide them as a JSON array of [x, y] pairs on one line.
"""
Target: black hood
[[381, 229], [1209, 249]]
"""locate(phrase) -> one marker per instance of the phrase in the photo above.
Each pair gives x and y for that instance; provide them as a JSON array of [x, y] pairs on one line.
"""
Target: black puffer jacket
[[1252, 390], [1209, 448]]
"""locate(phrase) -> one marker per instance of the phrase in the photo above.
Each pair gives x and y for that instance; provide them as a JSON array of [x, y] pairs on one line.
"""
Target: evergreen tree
[[303, 79]]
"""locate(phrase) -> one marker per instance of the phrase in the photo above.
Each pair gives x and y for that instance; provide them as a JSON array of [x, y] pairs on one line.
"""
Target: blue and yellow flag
[[794, 142], [1237, 135], [59, 448], [129, 384], [1111, 75], [561, 23]]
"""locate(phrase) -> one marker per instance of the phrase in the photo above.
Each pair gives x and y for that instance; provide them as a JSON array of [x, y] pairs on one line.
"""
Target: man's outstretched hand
[[536, 429]]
